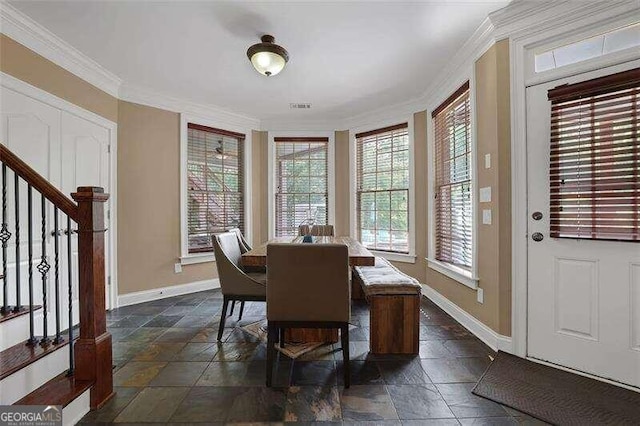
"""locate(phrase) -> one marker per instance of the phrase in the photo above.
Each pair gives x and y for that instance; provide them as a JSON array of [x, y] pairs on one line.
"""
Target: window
[[594, 47], [595, 159], [215, 184], [382, 197], [301, 183], [453, 187]]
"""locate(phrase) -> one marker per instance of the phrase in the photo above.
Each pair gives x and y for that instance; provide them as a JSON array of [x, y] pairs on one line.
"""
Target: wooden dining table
[[359, 255]]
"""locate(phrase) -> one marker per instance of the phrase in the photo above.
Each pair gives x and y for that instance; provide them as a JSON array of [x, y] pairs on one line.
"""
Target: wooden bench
[[394, 307]]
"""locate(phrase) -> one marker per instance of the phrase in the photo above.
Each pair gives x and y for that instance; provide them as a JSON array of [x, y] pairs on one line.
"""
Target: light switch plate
[[487, 161], [486, 217], [177, 268], [480, 294], [485, 194]]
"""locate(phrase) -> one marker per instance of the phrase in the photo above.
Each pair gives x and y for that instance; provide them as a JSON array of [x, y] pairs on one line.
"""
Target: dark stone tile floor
[[169, 369]]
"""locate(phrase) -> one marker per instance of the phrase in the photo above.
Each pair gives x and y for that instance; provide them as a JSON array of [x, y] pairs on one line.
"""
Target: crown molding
[[148, 97], [34, 36], [517, 18]]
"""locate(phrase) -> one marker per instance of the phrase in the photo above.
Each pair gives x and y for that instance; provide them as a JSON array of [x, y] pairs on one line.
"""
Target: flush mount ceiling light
[[267, 57]]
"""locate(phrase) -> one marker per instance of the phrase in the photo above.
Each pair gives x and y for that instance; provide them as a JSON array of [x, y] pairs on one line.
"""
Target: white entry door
[[583, 295]]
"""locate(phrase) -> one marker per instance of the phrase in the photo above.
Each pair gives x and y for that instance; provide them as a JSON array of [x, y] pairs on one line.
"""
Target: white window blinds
[[301, 183], [382, 198]]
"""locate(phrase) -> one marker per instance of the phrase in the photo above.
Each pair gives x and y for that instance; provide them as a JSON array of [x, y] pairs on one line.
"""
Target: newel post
[[93, 357]]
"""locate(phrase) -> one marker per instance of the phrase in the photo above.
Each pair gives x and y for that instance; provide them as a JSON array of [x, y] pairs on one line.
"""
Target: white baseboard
[[494, 340], [163, 292], [76, 409]]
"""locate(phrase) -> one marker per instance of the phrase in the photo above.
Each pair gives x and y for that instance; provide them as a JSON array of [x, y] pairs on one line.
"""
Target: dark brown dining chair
[[316, 230], [308, 288], [234, 282]]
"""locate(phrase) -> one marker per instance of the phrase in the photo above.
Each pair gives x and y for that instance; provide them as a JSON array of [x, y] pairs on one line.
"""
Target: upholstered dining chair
[[234, 282], [244, 247], [244, 244], [316, 230], [308, 287]]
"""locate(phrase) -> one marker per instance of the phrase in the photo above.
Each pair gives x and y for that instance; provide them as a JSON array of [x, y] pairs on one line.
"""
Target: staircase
[[54, 345]]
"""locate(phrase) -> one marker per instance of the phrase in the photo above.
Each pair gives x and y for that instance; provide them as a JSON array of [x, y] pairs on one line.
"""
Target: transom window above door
[[382, 188], [301, 175], [215, 184]]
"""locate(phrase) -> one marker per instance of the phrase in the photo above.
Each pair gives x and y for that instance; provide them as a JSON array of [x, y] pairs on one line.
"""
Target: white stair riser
[[16, 330], [30, 378], [75, 410]]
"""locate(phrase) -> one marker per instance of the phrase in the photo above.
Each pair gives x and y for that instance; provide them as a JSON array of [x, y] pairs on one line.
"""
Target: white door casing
[[584, 295]]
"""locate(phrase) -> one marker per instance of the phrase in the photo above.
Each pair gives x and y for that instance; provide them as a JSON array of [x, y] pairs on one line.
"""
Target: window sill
[[395, 257], [454, 272], [194, 258]]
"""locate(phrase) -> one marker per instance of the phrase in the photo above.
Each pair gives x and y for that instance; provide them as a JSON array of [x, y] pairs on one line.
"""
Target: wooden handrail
[[39, 183]]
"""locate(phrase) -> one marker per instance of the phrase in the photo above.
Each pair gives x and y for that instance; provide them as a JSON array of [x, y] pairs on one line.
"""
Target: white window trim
[[331, 164], [468, 278], [397, 257], [187, 258]]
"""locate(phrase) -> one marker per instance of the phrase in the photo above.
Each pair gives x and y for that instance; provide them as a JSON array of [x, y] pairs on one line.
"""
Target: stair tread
[[60, 390], [13, 315], [20, 355]]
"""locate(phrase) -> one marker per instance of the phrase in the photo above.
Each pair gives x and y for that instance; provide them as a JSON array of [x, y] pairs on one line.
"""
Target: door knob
[[537, 237], [536, 215]]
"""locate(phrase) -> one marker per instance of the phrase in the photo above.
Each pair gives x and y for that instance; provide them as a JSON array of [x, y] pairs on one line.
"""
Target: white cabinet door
[[85, 162], [31, 129], [583, 295], [69, 151]]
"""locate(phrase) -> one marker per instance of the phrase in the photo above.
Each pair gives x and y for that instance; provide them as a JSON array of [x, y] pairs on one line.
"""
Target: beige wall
[[149, 197], [22, 63], [149, 201], [419, 268], [494, 241], [260, 187], [343, 185]]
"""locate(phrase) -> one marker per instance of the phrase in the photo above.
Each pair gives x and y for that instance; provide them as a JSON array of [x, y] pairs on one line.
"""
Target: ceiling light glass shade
[[267, 57]]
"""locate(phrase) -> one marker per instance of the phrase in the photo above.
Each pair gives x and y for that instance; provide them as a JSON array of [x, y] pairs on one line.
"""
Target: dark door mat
[[557, 396]]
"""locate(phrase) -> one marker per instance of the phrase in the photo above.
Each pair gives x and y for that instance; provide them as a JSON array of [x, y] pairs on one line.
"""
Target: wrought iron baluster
[[16, 188], [32, 339], [4, 236], [43, 268], [56, 268], [70, 284]]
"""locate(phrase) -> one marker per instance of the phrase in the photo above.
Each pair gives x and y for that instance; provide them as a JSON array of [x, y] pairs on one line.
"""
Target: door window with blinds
[[453, 185], [382, 198], [301, 183], [594, 172], [215, 184]]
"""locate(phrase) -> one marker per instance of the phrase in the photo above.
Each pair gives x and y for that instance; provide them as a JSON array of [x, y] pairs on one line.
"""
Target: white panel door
[[31, 129], [583, 295], [85, 162]]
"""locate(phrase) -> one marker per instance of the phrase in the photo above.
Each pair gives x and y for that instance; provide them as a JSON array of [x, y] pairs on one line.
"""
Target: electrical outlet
[[480, 293], [177, 268], [487, 161]]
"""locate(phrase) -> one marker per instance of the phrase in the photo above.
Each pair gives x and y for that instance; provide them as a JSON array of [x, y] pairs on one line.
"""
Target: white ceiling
[[347, 58]]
